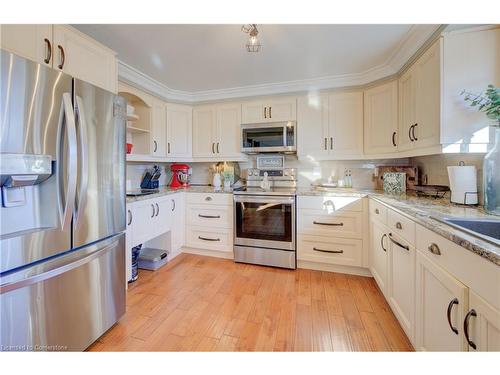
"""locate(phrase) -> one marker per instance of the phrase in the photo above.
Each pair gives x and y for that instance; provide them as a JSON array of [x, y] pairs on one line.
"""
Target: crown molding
[[410, 45]]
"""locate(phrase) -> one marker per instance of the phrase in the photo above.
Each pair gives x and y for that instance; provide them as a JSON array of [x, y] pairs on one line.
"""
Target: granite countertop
[[166, 190]]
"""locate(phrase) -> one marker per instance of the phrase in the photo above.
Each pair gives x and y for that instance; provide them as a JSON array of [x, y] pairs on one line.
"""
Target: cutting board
[[411, 175]]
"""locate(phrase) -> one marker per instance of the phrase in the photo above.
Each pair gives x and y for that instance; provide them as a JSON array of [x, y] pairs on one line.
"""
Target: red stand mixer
[[181, 175]]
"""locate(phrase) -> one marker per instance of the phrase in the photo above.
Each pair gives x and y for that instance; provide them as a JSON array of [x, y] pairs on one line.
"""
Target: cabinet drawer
[[343, 251], [343, 223], [210, 198], [205, 238], [210, 216], [378, 211], [401, 225], [330, 204]]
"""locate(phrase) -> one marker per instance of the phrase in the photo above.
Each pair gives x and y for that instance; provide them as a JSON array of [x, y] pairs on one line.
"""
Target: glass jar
[[491, 177]]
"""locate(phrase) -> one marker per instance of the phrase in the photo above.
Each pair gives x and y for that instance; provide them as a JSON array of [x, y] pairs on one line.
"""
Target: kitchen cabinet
[[441, 306], [420, 101], [483, 323], [33, 42], [64, 48], [159, 129], [178, 222], [129, 242], [330, 126], [179, 130], [381, 118], [269, 110], [379, 245], [217, 131]]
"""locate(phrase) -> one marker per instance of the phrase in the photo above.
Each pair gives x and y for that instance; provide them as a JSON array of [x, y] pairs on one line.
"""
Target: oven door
[[263, 221], [275, 137]]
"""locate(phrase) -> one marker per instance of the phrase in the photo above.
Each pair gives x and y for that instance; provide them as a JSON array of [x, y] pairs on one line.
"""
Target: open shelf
[[133, 129]]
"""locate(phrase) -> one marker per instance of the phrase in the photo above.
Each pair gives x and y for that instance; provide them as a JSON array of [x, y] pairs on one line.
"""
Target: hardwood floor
[[198, 303]]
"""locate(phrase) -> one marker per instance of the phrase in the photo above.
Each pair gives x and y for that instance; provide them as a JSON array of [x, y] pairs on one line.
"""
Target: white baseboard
[[208, 253], [360, 271]]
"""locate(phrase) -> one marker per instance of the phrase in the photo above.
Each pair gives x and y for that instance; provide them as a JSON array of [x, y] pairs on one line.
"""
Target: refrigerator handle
[[83, 158], [67, 123]]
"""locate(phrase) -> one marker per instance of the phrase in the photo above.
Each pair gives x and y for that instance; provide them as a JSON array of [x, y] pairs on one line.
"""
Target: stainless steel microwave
[[269, 137]]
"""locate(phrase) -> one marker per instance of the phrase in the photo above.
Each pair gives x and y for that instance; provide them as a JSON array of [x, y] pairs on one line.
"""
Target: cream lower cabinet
[[483, 323], [179, 126], [178, 221], [379, 245], [441, 306]]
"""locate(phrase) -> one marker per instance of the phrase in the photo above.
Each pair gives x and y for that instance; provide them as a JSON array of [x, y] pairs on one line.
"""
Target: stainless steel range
[[265, 218]]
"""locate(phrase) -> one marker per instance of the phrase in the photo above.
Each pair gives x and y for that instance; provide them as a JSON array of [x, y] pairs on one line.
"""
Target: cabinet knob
[[394, 139], [377, 211], [399, 225], [434, 249], [208, 199]]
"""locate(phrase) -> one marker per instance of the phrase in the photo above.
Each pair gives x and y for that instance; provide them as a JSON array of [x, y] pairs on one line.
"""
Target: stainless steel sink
[[486, 229]]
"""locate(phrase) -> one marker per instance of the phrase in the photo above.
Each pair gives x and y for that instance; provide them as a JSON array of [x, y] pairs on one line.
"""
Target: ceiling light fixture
[[253, 44]]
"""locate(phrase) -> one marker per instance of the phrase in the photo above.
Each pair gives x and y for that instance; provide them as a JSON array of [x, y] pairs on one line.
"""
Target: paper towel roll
[[463, 184]]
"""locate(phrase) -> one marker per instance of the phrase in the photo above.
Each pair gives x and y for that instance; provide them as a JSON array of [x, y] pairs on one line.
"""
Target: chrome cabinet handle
[[270, 113], [48, 56], [434, 249], [454, 301], [157, 209], [155, 146], [407, 248], [208, 239], [173, 204], [209, 216], [208, 199], [154, 210], [330, 224], [471, 343], [62, 56], [265, 112], [326, 143], [413, 132], [382, 242], [328, 251], [218, 148], [394, 139], [129, 217], [331, 143], [377, 211], [399, 225]]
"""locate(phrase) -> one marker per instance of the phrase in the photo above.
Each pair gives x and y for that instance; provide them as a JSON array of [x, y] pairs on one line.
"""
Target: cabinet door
[[381, 118], [82, 57], [406, 110], [129, 242], [179, 130], [282, 109], [312, 126], [178, 221], [379, 244], [428, 97], [253, 112], [441, 304], [159, 129], [142, 228], [484, 326], [345, 117], [162, 221], [229, 130], [204, 130], [401, 291], [29, 41]]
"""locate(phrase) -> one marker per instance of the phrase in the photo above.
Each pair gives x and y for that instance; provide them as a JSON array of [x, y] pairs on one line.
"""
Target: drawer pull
[[330, 224], [154, 210], [329, 251], [399, 225], [434, 249], [377, 211], [208, 239], [157, 209], [208, 199], [382, 242], [407, 248], [471, 312], [209, 216], [129, 217], [454, 301]]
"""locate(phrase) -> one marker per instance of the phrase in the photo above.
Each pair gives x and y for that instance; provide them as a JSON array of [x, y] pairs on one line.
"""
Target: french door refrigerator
[[62, 172]]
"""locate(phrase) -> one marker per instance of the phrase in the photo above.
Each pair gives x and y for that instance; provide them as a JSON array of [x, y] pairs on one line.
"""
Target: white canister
[[463, 184], [216, 182]]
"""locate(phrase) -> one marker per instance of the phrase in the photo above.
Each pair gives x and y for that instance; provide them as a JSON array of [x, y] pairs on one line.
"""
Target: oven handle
[[248, 199]]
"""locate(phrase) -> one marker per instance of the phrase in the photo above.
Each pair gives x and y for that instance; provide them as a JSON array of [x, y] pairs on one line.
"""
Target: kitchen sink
[[486, 229]]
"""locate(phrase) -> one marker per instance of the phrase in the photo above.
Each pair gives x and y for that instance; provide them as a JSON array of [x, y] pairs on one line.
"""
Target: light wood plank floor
[[198, 303]]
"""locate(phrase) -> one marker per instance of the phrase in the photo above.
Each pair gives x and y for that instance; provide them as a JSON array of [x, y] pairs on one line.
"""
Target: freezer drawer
[[65, 303]]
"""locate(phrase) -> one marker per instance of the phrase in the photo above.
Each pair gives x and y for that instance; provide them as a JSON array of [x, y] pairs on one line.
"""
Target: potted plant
[[489, 103]]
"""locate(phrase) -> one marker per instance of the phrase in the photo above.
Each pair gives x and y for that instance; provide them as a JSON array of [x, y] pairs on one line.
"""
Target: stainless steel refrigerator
[[62, 178]]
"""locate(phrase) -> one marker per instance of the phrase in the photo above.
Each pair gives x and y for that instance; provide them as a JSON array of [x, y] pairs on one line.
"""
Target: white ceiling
[[206, 58]]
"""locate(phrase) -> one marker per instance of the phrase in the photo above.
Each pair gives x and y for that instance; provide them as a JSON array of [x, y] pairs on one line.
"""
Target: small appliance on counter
[[463, 184], [150, 178], [181, 175]]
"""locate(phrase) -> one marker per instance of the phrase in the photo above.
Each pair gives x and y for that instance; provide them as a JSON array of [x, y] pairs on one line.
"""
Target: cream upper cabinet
[[228, 130], [159, 129], [381, 118], [179, 130], [312, 126], [84, 58], [483, 325], [345, 124], [33, 42], [407, 106], [269, 110], [204, 130], [441, 305]]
